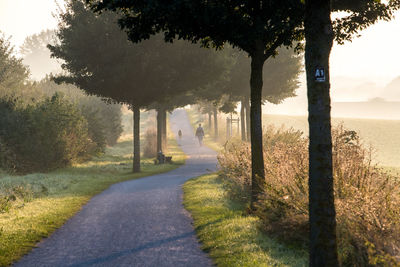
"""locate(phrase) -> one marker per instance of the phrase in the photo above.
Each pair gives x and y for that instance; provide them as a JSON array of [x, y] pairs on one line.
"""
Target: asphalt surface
[[136, 223]]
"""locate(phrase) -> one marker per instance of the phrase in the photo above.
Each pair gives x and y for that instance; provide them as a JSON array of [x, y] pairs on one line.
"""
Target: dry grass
[[367, 198]]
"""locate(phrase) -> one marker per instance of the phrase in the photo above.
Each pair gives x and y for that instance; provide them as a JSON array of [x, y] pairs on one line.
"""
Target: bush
[[112, 117], [367, 199], [105, 122], [150, 145], [96, 129], [104, 119], [41, 137]]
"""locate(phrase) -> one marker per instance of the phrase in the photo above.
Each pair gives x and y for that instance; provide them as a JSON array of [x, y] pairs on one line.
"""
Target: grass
[[231, 237], [34, 205]]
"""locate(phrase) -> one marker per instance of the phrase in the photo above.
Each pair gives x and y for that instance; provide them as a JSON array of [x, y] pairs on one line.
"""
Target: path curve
[[136, 223]]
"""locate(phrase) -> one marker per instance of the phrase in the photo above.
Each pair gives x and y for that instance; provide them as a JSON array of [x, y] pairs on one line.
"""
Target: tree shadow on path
[[150, 245]]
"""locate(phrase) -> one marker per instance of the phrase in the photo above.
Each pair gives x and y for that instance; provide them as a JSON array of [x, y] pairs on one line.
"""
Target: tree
[[280, 76], [320, 33], [323, 248], [37, 55], [162, 108], [182, 70], [214, 93], [110, 70], [13, 73], [207, 108]]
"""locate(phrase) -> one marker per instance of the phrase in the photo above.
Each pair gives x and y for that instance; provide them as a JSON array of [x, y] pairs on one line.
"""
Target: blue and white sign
[[320, 74]]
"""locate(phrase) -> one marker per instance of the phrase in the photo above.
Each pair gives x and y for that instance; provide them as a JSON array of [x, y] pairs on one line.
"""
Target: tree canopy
[[280, 75], [137, 74]]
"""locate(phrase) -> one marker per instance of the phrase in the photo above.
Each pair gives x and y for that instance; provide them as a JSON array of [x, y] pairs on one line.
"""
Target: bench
[[161, 158]]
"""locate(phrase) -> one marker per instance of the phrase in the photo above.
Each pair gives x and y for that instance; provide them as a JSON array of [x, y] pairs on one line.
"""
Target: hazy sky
[[21, 18], [375, 54]]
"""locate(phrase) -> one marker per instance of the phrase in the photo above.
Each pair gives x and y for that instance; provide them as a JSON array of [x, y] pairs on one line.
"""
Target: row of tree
[[153, 74], [259, 28]]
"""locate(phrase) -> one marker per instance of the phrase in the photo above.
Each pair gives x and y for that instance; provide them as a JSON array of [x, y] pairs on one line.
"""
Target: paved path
[[135, 223]]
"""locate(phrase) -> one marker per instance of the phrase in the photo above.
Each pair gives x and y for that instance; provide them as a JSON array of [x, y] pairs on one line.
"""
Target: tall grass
[[367, 199]]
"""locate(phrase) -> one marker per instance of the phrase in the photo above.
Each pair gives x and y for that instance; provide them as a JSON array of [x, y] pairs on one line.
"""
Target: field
[[383, 135]]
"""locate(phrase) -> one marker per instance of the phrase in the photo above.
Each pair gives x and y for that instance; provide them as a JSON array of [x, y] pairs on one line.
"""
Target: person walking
[[200, 134], [180, 134]]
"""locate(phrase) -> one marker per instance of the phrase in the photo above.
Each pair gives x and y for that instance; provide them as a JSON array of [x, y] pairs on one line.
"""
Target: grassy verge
[[232, 238], [33, 206]]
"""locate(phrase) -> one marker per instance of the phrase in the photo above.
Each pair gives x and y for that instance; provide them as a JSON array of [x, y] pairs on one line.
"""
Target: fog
[[362, 70], [375, 98]]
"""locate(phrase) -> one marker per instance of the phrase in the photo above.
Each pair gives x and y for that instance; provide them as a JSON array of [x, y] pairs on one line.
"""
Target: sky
[[376, 53], [22, 18], [373, 58]]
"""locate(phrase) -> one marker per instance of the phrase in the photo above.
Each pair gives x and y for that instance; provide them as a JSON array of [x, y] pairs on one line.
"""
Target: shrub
[[112, 117], [15, 195], [150, 145], [96, 129], [41, 137], [104, 120], [367, 199]]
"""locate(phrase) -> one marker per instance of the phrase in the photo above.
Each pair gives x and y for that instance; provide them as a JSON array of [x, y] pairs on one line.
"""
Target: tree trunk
[[215, 122], [243, 120], [247, 111], [159, 130], [164, 130], [257, 156], [319, 39], [136, 139], [228, 129], [209, 121]]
